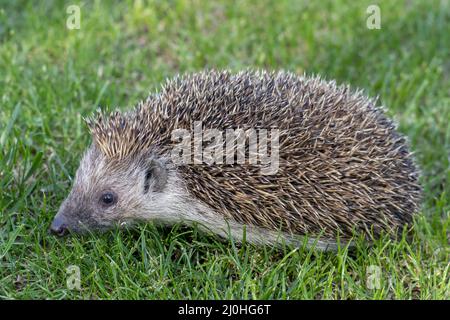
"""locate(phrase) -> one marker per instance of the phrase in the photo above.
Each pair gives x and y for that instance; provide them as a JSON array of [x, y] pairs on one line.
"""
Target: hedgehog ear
[[155, 175]]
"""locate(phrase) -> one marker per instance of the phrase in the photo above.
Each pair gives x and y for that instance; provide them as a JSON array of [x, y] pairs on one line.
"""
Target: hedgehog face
[[107, 193]]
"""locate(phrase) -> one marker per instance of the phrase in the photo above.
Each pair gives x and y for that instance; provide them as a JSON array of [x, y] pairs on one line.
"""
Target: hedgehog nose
[[59, 227]]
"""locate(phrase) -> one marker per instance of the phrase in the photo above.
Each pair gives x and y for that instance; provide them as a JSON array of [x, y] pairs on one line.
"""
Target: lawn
[[52, 76]]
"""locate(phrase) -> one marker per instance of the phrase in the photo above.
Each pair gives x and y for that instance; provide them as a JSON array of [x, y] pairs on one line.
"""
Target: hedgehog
[[276, 158]]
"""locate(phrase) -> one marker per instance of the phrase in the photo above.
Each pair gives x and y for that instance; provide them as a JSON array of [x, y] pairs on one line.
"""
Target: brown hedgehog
[[272, 156]]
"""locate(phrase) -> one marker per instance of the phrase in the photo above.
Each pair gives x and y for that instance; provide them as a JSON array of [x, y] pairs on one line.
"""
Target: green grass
[[51, 76]]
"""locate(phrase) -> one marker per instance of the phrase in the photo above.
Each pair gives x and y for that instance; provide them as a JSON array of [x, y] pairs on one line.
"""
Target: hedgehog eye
[[108, 199]]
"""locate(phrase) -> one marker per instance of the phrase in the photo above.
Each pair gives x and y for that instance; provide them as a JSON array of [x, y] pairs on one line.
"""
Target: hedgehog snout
[[62, 222], [59, 226]]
